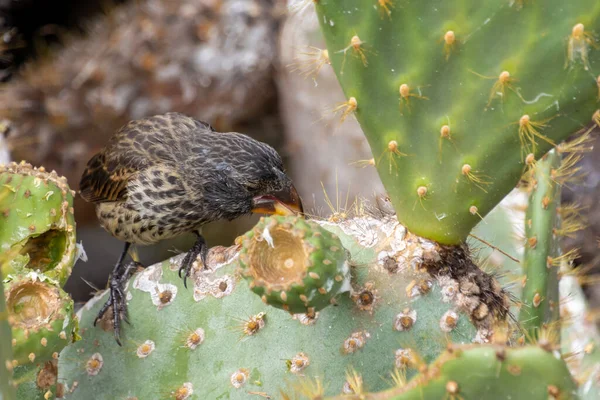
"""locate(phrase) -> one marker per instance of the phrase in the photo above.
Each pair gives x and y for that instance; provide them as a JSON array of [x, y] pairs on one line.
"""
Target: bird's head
[[272, 190]]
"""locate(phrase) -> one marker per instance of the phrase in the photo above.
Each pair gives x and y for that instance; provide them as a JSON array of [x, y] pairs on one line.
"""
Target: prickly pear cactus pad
[[294, 264], [501, 373], [220, 340], [37, 226], [453, 96]]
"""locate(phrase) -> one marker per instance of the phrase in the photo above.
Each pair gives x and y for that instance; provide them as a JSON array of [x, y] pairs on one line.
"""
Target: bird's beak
[[285, 202]]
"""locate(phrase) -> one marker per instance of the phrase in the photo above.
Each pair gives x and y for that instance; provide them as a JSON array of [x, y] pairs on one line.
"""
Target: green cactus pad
[[453, 97], [41, 317], [37, 225], [489, 372], [218, 339], [294, 264]]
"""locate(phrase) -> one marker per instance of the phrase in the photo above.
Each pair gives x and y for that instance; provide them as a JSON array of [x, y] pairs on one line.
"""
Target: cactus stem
[[477, 289], [477, 179], [579, 43]]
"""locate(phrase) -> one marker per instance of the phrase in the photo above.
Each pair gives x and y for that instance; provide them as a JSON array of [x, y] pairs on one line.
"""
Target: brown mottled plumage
[[169, 174]]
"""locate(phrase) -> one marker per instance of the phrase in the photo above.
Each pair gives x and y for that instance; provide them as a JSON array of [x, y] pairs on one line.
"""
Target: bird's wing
[[135, 147], [104, 180]]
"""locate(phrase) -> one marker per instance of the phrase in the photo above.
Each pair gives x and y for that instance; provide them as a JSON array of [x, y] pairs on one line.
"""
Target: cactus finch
[[166, 175]]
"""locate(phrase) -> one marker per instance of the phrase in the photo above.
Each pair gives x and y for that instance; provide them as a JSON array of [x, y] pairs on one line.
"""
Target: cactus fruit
[[7, 390], [37, 225], [219, 338], [453, 98], [294, 264]]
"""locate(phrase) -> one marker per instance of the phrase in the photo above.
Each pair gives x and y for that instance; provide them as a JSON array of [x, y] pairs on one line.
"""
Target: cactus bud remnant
[[294, 264], [40, 315]]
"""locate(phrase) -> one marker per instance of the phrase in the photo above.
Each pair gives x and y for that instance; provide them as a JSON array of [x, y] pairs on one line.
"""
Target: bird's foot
[[117, 299], [199, 249]]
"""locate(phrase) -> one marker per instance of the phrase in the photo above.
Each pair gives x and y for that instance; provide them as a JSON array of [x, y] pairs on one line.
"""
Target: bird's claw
[[199, 249], [117, 300]]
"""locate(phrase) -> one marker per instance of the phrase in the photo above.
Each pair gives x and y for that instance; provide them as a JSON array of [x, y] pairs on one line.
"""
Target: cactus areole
[[453, 97]]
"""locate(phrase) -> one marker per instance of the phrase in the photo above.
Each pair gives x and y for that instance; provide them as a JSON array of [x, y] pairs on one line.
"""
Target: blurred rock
[[321, 148], [212, 60]]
